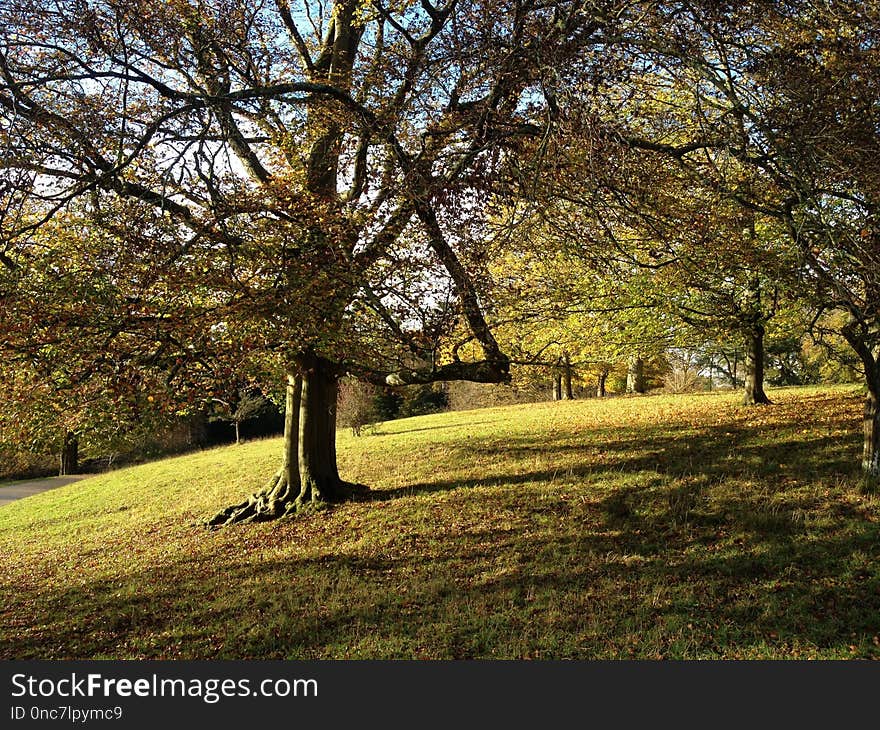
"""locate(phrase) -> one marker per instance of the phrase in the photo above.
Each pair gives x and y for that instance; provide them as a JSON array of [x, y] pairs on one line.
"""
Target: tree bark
[[635, 376], [871, 452], [871, 448], [754, 380], [289, 470], [317, 435], [857, 334], [69, 460], [278, 497], [557, 386], [567, 393], [308, 473], [600, 384]]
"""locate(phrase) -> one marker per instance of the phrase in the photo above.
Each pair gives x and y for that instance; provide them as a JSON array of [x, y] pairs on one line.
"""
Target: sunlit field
[[634, 527]]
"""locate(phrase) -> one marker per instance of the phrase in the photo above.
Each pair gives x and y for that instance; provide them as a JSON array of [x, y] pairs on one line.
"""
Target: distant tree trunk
[[871, 451], [237, 432], [557, 386], [567, 393], [754, 380], [635, 376], [731, 365], [69, 461], [600, 384]]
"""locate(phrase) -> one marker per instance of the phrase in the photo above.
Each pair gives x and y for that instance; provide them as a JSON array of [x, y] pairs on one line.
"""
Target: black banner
[[174, 694]]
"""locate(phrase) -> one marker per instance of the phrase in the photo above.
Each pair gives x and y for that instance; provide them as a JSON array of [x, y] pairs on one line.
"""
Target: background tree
[[571, 316], [796, 87], [244, 403], [86, 363], [771, 107]]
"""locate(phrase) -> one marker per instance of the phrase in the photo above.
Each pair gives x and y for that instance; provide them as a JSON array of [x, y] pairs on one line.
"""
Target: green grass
[[652, 527]]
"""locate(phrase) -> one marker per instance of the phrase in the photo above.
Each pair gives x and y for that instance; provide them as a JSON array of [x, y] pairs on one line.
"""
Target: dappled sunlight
[[574, 530]]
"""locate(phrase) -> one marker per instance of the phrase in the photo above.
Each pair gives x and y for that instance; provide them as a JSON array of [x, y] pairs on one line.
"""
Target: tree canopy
[[282, 193]]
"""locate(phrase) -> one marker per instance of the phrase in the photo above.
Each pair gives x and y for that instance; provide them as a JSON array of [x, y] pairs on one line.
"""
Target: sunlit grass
[[662, 526]]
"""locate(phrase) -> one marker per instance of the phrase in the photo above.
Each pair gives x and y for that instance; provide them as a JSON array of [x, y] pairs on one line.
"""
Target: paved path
[[20, 490]]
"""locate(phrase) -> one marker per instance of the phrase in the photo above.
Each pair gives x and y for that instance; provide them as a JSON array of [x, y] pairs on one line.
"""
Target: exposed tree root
[[277, 500], [272, 502]]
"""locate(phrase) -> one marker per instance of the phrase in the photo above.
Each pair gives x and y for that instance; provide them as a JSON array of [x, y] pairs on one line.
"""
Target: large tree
[[797, 88], [310, 164], [771, 107]]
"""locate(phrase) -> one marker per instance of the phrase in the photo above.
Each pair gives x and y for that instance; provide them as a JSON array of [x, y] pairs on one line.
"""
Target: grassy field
[[645, 527]]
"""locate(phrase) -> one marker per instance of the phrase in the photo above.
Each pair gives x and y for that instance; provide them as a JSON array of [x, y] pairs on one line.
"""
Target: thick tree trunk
[[600, 384], [289, 471], [317, 435], [557, 386], [857, 335], [69, 461], [567, 393], [754, 380], [308, 473], [635, 376]]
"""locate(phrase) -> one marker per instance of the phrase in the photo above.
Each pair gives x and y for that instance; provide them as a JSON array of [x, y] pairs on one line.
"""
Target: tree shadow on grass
[[551, 593], [649, 567], [713, 453], [462, 426]]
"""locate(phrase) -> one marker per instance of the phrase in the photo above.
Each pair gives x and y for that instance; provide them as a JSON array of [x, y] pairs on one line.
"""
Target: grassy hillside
[[663, 526]]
